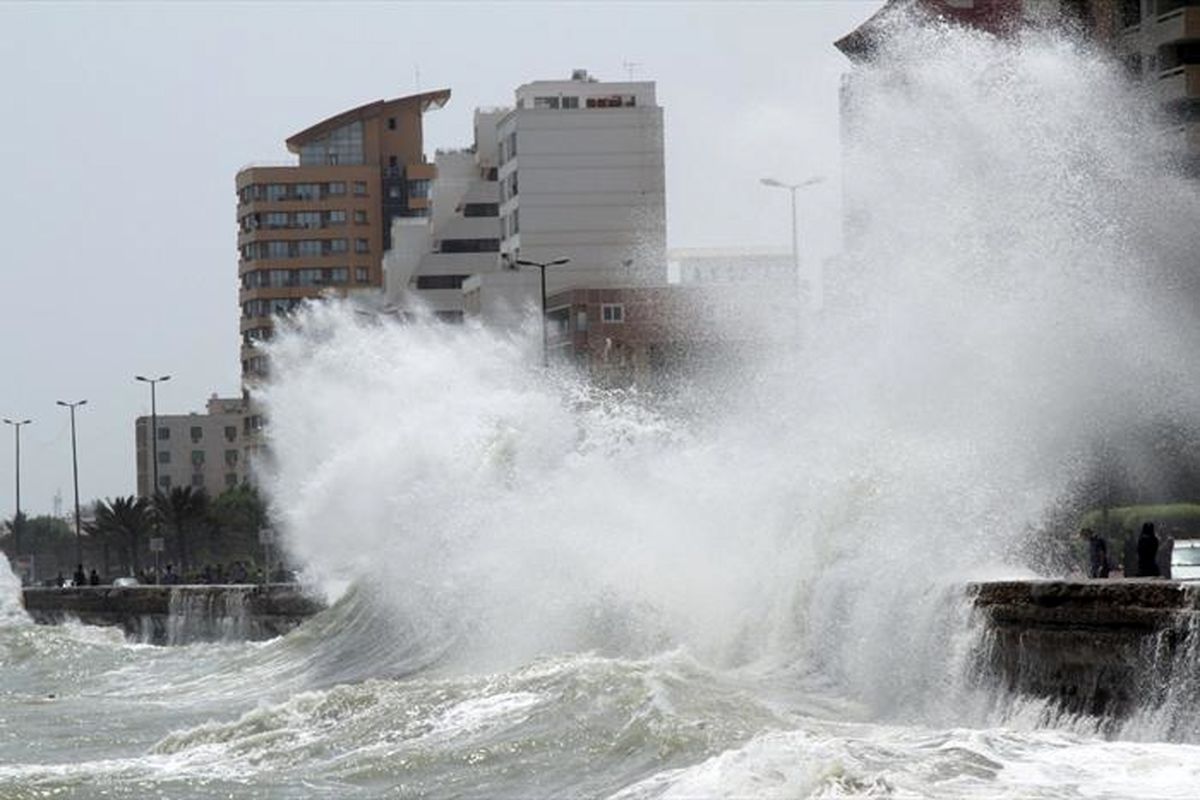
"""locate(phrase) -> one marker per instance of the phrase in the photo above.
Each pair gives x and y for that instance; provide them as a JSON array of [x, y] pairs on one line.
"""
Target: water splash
[[1013, 296], [12, 610]]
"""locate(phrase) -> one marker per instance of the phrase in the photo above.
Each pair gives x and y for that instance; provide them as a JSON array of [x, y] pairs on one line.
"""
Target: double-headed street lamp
[[815, 289], [152, 440], [75, 470], [542, 266], [17, 516]]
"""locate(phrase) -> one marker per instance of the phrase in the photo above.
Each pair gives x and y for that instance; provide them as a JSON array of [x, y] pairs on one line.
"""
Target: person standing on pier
[[1097, 553], [1147, 550]]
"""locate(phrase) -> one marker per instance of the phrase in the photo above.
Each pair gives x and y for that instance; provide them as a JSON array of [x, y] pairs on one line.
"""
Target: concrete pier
[[1100, 647], [178, 614]]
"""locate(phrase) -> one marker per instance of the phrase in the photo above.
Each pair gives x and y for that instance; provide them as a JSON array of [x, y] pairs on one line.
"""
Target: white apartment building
[[431, 257], [581, 177], [204, 451]]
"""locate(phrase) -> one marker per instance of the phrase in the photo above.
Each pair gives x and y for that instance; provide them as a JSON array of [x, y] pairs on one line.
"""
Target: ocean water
[[749, 587]]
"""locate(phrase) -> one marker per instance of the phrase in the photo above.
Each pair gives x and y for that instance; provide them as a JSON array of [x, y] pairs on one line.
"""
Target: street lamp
[[17, 516], [542, 266], [75, 470], [792, 187], [153, 439]]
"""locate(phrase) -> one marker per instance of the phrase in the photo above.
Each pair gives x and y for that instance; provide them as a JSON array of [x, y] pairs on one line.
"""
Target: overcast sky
[[125, 125]]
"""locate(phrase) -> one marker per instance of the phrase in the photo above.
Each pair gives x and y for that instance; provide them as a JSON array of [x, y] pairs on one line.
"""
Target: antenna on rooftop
[[630, 66]]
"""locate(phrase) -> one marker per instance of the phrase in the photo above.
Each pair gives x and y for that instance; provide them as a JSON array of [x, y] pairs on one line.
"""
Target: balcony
[[1179, 25], [1179, 83]]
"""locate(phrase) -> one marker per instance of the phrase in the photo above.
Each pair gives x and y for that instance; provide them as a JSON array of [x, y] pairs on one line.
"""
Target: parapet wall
[[177, 614], [1106, 648]]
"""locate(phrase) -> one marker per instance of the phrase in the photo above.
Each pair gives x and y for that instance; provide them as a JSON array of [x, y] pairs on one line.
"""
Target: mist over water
[[751, 587]]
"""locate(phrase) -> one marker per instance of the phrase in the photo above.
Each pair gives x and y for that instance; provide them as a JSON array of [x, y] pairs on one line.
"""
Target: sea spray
[[1011, 296]]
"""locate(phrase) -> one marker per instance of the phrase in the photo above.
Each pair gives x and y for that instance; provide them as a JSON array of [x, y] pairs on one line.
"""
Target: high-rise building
[[204, 451], [323, 223], [581, 177]]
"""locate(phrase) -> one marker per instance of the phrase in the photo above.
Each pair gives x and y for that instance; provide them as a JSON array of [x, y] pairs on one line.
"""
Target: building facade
[[432, 257], [204, 451], [581, 177], [322, 224]]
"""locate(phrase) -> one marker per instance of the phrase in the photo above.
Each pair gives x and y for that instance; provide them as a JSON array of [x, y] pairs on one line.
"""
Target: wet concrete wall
[[177, 614], [1105, 648]]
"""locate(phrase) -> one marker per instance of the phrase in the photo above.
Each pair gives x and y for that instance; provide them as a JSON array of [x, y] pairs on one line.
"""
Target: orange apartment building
[[323, 224]]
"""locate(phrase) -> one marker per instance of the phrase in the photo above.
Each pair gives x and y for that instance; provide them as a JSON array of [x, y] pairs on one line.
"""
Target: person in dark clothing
[[1097, 553], [1147, 550], [80, 577], [94, 578]]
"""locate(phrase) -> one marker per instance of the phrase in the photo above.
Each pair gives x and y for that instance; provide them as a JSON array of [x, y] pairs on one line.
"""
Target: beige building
[[205, 451], [322, 224]]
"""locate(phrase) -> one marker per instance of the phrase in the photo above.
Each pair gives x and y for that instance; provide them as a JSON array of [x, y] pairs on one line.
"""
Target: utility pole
[[17, 515], [75, 471]]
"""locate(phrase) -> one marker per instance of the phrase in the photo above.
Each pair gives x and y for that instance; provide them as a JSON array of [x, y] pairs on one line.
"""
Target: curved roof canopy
[[425, 101]]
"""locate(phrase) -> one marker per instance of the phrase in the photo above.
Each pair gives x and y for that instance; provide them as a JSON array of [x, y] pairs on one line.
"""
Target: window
[[231, 430], [440, 281], [470, 246], [164, 456], [361, 275], [391, 123], [276, 191], [361, 246], [308, 191], [394, 192], [418, 188], [198, 480], [360, 188], [276, 219], [481, 210], [570, 102], [337, 245], [613, 313], [231, 458], [545, 102], [308, 219], [197, 458], [335, 217], [197, 433], [164, 434], [336, 188], [516, 220], [360, 217], [581, 321], [1130, 12], [164, 482], [231, 480]]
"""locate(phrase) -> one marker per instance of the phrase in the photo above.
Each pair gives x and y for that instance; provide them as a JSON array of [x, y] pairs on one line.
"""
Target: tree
[[124, 521], [238, 514], [181, 508]]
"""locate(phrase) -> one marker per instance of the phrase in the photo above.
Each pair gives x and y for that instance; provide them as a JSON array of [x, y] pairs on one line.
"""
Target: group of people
[[79, 578], [1150, 554]]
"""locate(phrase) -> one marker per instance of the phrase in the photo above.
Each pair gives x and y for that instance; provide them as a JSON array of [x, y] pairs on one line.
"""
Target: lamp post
[[17, 516], [816, 288], [542, 267], [75, 470], [153, 439]]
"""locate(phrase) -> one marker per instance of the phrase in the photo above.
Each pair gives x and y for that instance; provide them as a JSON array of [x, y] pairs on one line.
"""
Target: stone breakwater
[[1105, 648], [177, 614]]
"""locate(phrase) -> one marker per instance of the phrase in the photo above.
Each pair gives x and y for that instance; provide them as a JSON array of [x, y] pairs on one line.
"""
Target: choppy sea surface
[[84, 713]]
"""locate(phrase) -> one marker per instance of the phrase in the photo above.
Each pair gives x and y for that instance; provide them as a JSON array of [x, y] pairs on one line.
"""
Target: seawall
[[177, 614], [1107, 648]]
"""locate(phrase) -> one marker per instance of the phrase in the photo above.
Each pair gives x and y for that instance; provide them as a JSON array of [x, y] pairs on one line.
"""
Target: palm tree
[[125, 520], [180, 508]]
